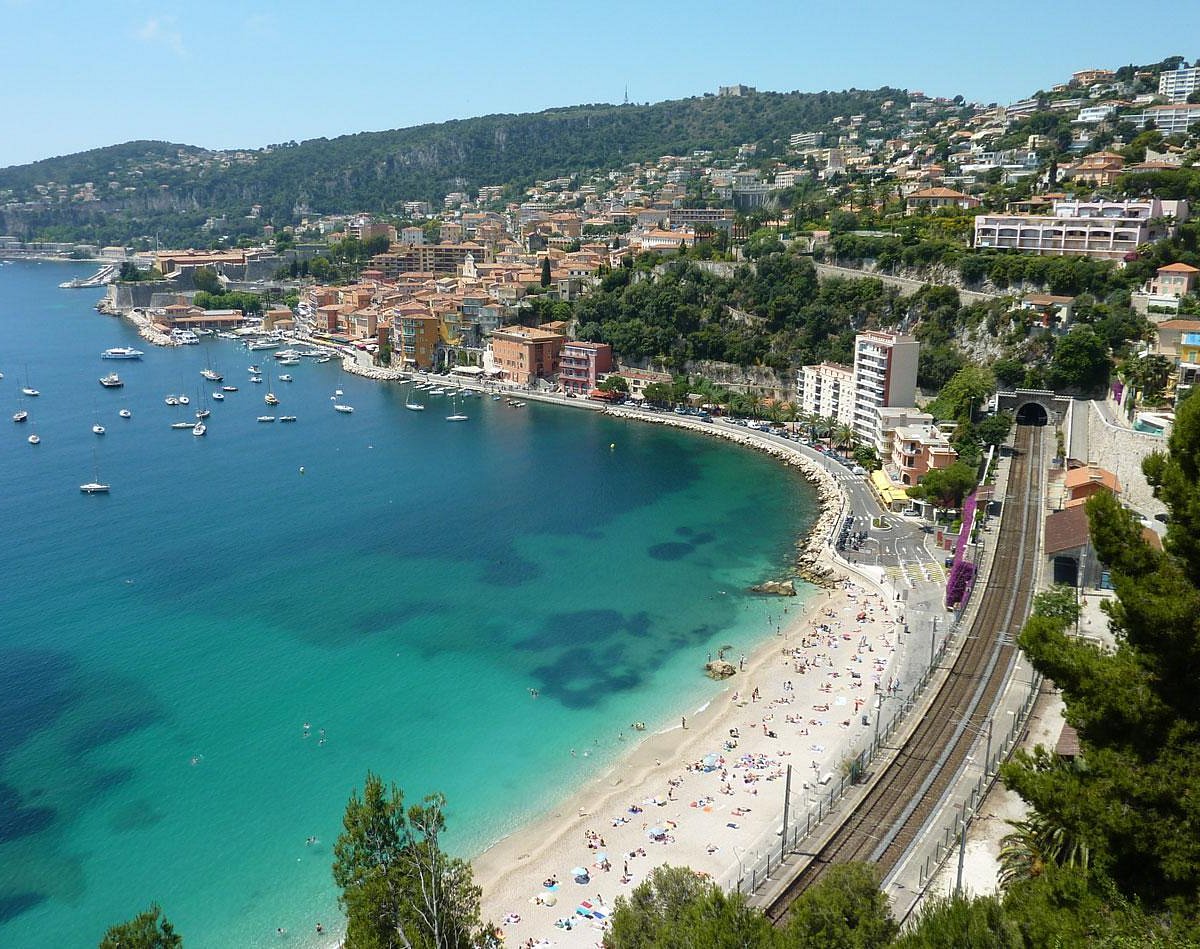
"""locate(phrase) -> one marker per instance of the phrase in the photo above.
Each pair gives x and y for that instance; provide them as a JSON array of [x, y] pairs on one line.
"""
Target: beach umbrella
[[711, 760], [657, 832], [601, 857], [549, 899], [579, 872]]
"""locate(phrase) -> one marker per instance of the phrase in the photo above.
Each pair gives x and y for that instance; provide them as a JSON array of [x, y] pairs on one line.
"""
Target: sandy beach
[[709, 795]]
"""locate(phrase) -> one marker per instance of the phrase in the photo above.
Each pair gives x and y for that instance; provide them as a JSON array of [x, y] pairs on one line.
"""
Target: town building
[[827, 391], [885, 374], [1079, 484], [580, 365], [1178, 84], [918, 449], [1174, 280], [526, 354], [1168, 119], [1100, 228], [415, 336], [930, 199]]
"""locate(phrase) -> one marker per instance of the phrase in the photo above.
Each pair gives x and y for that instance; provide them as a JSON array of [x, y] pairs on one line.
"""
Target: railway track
[[884, 824]]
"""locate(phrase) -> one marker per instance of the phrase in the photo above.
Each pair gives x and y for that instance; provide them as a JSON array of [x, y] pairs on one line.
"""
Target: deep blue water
[[161, 647]]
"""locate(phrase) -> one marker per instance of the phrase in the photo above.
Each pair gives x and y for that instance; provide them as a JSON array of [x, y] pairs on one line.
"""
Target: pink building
[[580, 365], [918, 449]]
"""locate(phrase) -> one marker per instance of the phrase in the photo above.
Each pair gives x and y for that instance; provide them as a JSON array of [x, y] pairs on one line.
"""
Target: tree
[[1080, 361], [205, 278], [398, 888], [545, 272], [960, 922], [147, 930], [1149, 374], [845, 909], [673, 908], [945, 487], [1136, 799], [994, 429], [964, 393], [614, 384]]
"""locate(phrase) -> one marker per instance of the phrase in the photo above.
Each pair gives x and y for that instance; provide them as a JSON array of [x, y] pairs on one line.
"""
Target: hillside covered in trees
[[376, 171]]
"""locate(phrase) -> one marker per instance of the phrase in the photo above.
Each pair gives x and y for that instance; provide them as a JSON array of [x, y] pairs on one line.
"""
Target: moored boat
[[122, 352], [34, 439], [125, 413], [266, 418], [112, 381], [344, 409]]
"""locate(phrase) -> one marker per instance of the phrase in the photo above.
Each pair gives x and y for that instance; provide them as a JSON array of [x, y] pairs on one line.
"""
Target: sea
[[198, 668]]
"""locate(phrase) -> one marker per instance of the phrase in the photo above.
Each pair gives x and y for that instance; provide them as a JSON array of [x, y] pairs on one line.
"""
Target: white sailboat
[[95, 486], [412, 405], [457, 414]]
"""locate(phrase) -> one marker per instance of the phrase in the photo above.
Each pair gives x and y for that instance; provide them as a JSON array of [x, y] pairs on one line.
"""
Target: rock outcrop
[[778, 587], [719, 669]]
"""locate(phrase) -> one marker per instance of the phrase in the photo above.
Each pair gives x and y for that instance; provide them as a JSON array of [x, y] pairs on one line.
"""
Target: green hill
[[141, 185]]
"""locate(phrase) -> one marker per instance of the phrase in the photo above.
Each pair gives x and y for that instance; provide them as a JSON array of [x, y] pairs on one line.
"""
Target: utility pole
[[962, 850], [932, 641], [787, 798]]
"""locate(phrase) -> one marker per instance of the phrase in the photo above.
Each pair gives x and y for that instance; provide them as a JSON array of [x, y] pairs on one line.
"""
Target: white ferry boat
[[122, 352]]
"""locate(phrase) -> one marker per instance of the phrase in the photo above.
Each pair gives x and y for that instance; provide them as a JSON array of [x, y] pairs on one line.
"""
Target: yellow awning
[[891, 493]]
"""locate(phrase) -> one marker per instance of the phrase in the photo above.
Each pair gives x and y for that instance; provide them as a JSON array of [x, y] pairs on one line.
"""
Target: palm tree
[[845, 437], [1035, 843]]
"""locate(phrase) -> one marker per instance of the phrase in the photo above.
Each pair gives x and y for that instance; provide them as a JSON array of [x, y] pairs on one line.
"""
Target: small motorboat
[[20, 416], [125, 413], [229, 388], [256, 378], [204, 413], [34, 439], [287, 418], [285, 378], [30, 391], [171, 400], [344, 409], [219, 396], [181, 425], [199, 429], [184, 400], [98, 429], [266, 418]]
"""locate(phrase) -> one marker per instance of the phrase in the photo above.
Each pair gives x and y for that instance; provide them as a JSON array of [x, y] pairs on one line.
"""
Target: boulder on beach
[[719, 669], [776, 587]]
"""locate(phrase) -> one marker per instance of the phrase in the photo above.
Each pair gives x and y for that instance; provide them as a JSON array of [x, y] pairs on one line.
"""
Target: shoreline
[[661, 779]]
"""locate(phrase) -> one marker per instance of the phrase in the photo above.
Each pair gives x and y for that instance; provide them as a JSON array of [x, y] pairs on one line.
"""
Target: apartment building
[[1100, 229], [826, 390], [525, 353], [1179, 83], [580, 364], [1168, 119], [415, 336], [425, 258], [885, 374], [918, 449]]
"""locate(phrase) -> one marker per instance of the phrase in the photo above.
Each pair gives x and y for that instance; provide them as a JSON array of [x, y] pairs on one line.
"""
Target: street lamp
[[962, 847]]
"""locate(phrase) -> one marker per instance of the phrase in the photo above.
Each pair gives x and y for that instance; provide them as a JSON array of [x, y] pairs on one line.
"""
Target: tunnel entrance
[[1032, 413]]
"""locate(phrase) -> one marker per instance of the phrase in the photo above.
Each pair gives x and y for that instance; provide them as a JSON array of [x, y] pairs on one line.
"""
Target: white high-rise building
[[1179, 83], [885, 374]]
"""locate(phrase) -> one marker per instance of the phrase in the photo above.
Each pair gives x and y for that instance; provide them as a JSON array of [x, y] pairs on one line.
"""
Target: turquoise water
[[161, 647]]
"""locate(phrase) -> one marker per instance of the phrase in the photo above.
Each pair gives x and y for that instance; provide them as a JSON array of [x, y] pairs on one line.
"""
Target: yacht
[[256, 378], [287, 418], [285, 378], [219, 396], [324, 359], [125, 413], [293, 361], [199, 429], [263, 344], [29, 391], [184, 337], [224, 335], [229, 388], [202, 332], [211, 375], [20, 416], [94, 487], [456, 417], [287, 354], [344, 409], [98, 429], [254, 369], [122, 352], [203, 413], [271, 399], [266, 418], [112, 381], [181, 425], [414, 406]]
